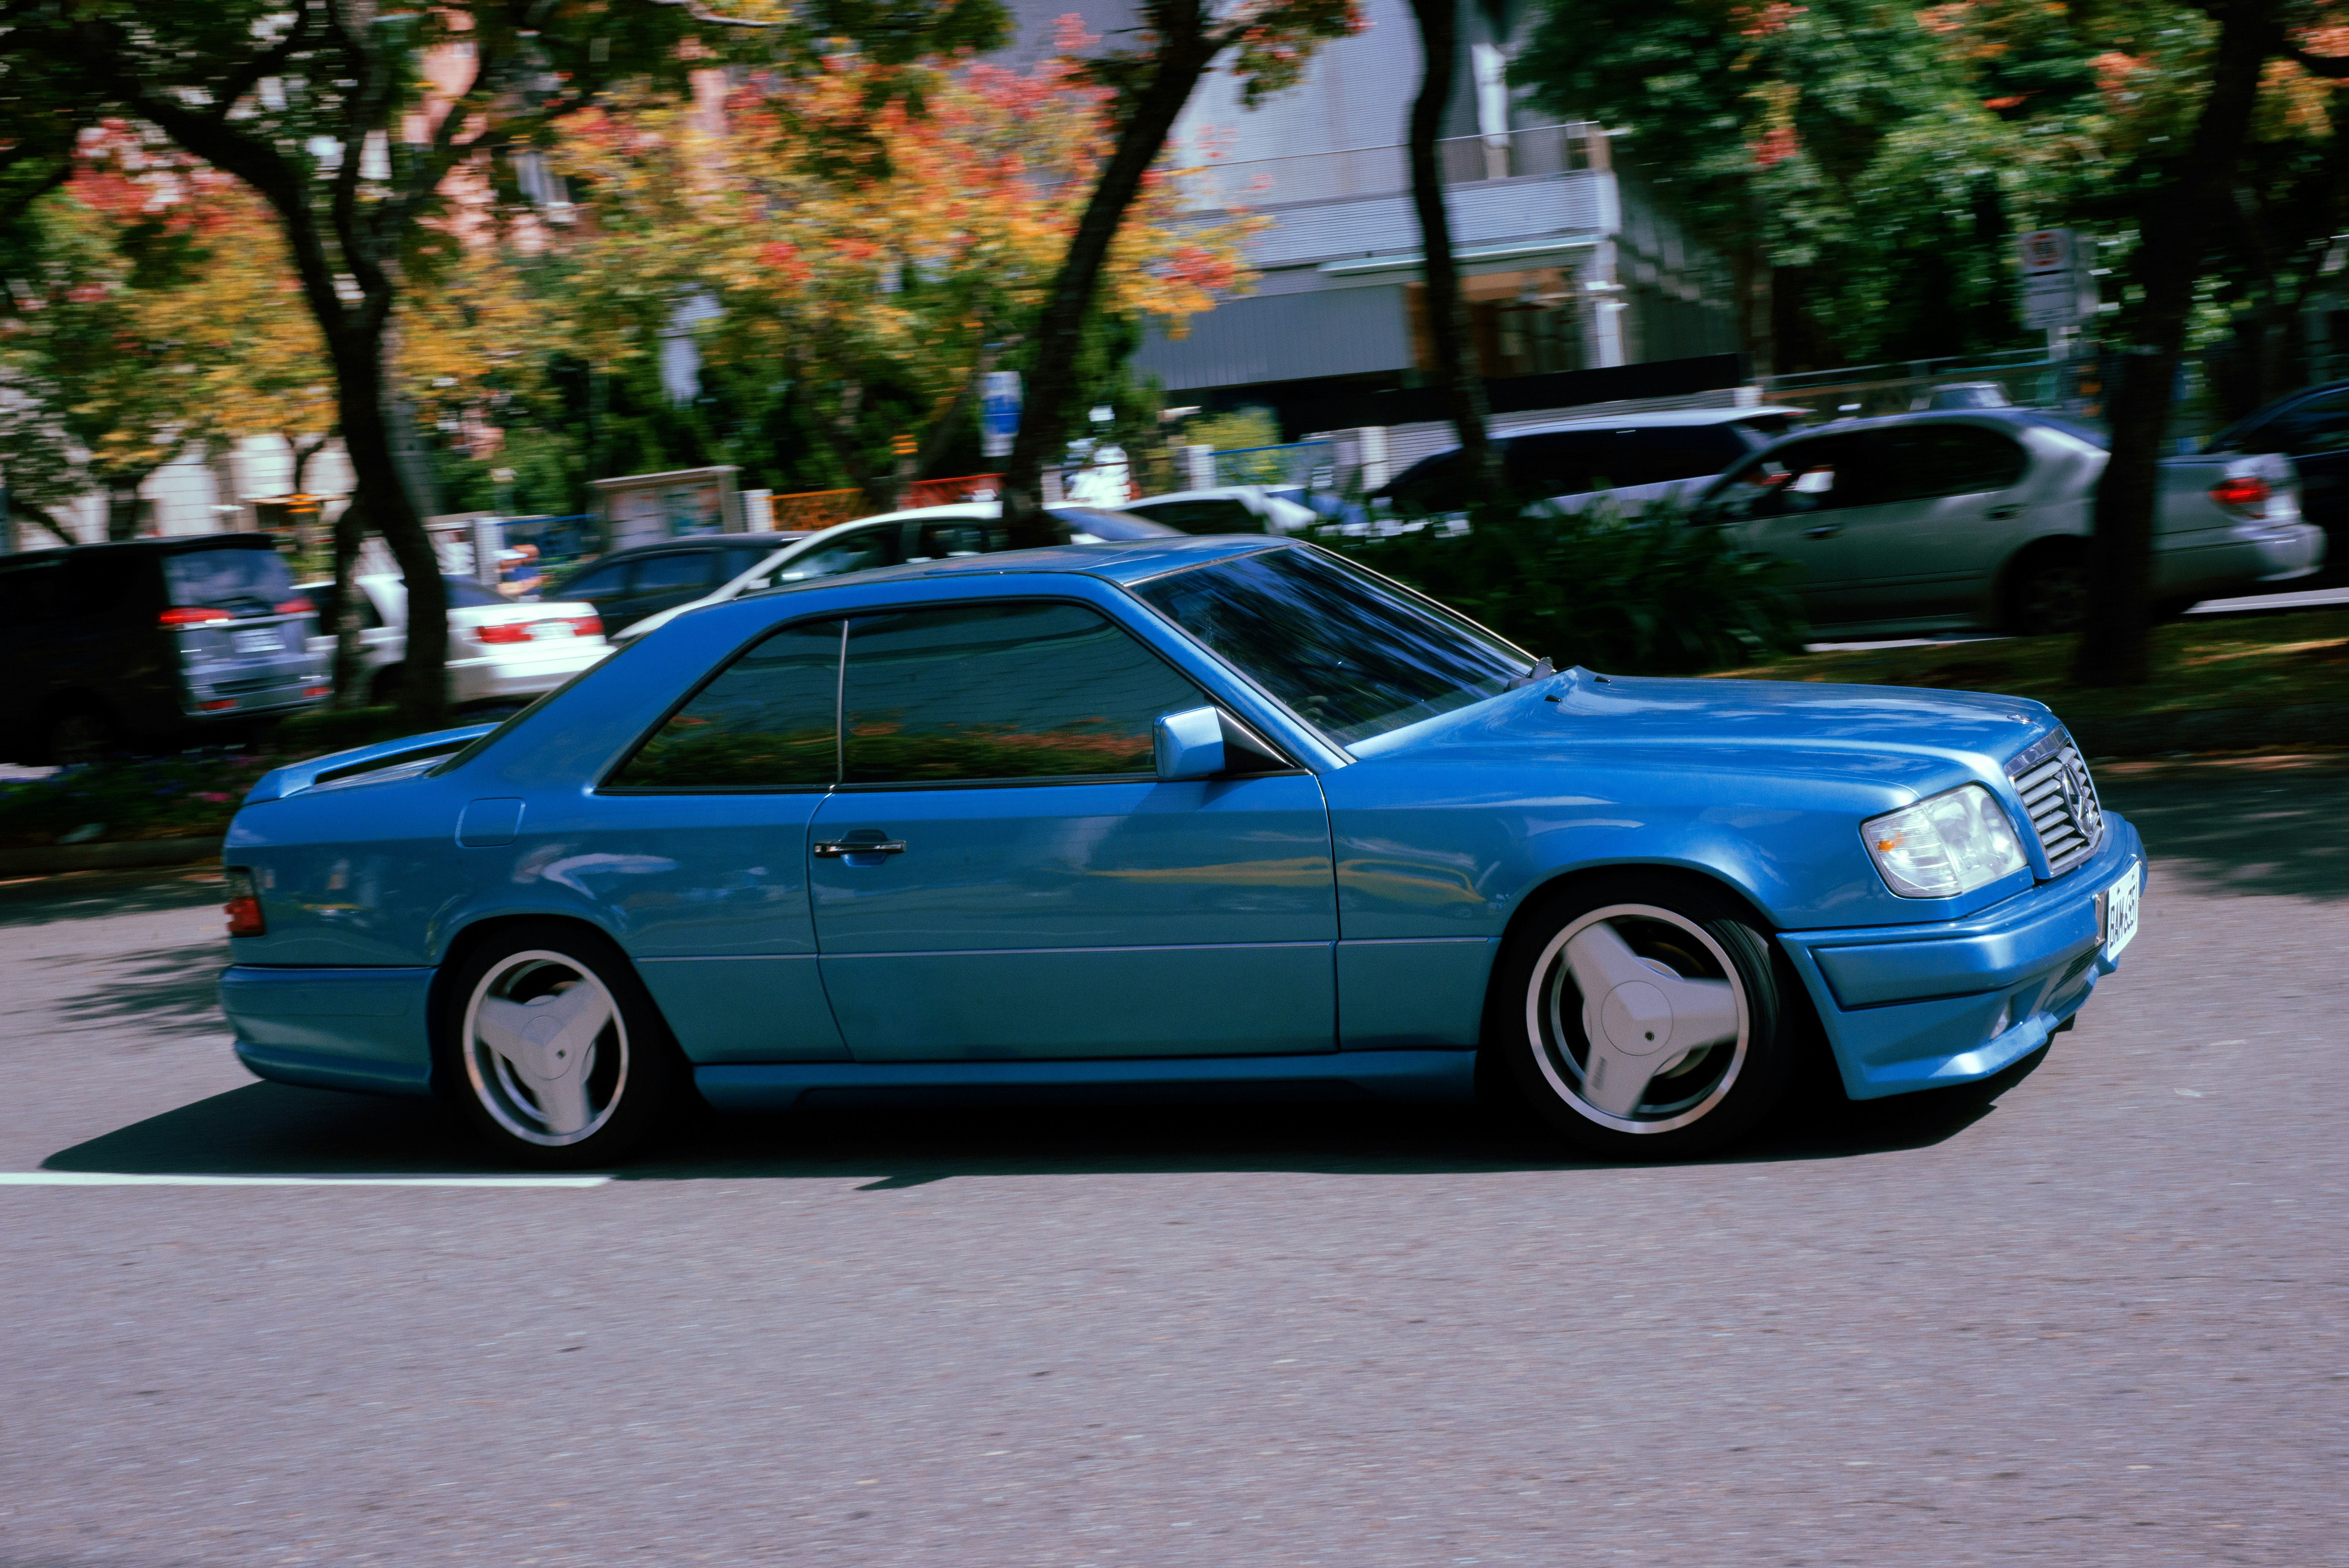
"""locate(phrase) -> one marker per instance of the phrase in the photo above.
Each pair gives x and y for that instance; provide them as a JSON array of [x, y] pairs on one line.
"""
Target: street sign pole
[[999, 412]]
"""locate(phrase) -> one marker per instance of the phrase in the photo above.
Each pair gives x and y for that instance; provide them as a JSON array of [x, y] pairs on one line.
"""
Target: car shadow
[[275, 1129], [2243, 825]]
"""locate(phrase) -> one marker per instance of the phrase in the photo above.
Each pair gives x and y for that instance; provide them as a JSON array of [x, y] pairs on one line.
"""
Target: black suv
[[629, 584], [149, 645], [2310, 426]]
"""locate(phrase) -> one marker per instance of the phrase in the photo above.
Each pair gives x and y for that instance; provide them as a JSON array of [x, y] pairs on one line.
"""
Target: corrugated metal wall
[[1335, 332]]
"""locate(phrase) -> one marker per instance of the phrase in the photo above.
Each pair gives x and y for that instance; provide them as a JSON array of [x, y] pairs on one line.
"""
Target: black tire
[[1715, 1091], [537, 1105], [82, 733], [2048, 589]]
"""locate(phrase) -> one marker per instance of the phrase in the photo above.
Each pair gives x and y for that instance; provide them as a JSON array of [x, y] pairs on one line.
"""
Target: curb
[[131, 853]]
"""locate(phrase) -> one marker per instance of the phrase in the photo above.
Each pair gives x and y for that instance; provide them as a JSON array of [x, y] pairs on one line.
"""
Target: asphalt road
[[2100, 1324]]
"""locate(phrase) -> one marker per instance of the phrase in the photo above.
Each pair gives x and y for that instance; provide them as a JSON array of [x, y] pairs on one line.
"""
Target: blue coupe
[[1209, 813]]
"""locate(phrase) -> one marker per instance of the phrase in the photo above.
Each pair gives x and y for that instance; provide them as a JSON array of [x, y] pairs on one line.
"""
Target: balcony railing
[[1372, 172]]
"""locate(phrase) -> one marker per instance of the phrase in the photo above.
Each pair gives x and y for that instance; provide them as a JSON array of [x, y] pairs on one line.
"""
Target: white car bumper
[[522, 670]]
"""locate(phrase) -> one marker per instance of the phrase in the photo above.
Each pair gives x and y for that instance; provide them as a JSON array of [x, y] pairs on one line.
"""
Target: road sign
[[998, 411], [2058, 287]]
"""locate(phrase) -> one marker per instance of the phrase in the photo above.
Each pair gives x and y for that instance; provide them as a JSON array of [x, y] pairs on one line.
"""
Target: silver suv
[[1984, 517]]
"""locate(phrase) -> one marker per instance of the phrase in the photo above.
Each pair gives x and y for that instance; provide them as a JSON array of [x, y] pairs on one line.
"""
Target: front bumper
[[1910, 1008]]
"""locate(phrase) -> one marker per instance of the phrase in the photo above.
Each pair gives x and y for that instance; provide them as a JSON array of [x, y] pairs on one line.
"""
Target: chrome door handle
[[832, 849], [1824, 530], [2001, 513]]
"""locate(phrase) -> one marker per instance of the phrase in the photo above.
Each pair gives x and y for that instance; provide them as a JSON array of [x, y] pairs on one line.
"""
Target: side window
[[956, 536], [1665, 452], [601, 583], [1000, 691], [1223, 514], [2318, 425], [1433, 484], [678, 569], [874, 547], [765, 722], [1561, 463], [1964, 459], [1818, 475]]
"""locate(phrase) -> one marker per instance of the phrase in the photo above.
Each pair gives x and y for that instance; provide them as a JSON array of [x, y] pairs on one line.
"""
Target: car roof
[[169, 545], [1121, 562], [1662, 418]]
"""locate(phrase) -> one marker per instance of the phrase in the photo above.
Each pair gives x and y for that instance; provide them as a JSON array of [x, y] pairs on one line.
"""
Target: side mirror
[[1203, 742]]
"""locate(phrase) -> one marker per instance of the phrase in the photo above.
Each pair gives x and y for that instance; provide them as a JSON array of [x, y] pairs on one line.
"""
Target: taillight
[[589, 625], [192, 616], [2246, 495], [525, 631], [297, 607], [503, 631], [243, 906]]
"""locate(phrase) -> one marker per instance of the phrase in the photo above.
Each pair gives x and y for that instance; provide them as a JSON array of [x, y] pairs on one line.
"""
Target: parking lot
[[2102, 1323]]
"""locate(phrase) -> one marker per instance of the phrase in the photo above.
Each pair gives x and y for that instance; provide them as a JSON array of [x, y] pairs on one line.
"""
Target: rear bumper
[[2250, 553], [527, 672], [1910, 1007], [362, 1029]]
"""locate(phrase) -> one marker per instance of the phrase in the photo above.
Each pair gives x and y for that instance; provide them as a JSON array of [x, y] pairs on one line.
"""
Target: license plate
[[2120, 911], [550, 628], [267, 642]]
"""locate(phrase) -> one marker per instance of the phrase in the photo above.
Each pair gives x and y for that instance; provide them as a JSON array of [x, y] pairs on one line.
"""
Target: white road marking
[[113, 1178]]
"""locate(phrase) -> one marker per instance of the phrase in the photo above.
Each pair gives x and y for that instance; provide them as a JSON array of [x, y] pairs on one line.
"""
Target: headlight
[[1952, 844]]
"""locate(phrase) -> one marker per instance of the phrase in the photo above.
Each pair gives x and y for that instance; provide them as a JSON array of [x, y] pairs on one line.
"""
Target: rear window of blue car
[[1349, 653]]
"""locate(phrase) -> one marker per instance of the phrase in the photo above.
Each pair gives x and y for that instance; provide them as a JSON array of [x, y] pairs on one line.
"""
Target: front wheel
[[2047, 591], [555, 1051], [1641, 1019]]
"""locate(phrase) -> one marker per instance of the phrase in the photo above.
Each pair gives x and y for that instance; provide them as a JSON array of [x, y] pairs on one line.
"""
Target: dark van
[[153, 644]]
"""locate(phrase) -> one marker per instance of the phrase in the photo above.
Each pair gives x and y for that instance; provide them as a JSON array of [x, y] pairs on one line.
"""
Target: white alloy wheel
[[1638, 1020], [546, 1048]]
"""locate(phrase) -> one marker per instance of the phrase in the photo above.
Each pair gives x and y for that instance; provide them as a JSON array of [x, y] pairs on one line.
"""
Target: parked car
[[923, 533], [2310, 426], [1168, 815], [1635, 458], [1231, 509], [501, 654], [628, 586], [1982, 519], [152, 644]]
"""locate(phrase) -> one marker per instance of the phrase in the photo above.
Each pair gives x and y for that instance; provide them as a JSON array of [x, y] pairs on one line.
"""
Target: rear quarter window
[[246, 582]]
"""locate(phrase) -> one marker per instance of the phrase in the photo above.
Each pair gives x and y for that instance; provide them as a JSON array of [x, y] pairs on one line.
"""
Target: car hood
[[1898, 734]]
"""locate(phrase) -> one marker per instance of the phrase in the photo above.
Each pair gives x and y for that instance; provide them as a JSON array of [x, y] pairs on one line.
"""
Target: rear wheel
[[555, 1051], [1641, 1018], [2047, 589]]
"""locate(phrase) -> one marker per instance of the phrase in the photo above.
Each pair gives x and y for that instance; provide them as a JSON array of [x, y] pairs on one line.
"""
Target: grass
[[2201, 663]]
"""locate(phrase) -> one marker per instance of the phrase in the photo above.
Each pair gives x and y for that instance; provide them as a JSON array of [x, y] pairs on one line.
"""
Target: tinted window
[[956, 536], [680, 569], [860, 552], [1000, 691], [766, 722], [243, 582], [601, 581], [1103, 523], [1960, 460], [1666, 452], [464, 593], [2318, 425], [1820, 474], [1563, 462], [1432, 484], [1224, 515], [1349, 653]]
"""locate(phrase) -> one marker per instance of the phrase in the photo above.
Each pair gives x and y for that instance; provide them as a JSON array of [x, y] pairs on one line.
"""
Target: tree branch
[[270, 63]]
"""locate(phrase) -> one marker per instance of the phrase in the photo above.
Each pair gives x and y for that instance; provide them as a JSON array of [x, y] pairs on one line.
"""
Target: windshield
[[1348, 652], [249, 582]]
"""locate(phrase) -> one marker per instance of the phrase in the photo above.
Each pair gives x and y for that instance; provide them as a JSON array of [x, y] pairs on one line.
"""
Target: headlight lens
[[1952, 844]]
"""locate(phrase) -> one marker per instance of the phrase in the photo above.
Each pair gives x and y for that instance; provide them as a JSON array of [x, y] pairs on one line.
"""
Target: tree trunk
[[2176, 231], [355, 342], [122, 508], [349, 674], [1185, 49], [1459, 384]]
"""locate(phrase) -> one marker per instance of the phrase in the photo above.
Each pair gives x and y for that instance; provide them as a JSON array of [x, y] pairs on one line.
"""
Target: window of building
[[1519, 323]]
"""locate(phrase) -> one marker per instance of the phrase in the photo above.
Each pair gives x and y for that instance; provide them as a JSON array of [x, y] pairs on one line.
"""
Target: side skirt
[[1444, 1077]]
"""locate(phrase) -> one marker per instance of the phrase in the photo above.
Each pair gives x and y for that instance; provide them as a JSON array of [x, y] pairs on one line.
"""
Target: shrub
[[1640, 593]]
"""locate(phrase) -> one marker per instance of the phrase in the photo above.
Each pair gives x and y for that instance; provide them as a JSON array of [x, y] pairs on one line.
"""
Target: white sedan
[[501, 654], [901, 537]]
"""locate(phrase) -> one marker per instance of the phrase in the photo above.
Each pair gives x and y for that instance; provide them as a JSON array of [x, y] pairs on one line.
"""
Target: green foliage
[[164, 798], [1643, 594]]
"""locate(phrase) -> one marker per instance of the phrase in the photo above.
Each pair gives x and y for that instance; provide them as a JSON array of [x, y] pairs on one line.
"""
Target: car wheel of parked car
[[2047, 589], [1641, 1019], [554, 1048], [81, 735]]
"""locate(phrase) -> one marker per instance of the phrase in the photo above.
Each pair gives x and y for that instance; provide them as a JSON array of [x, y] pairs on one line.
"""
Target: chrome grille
[[2060, 798]]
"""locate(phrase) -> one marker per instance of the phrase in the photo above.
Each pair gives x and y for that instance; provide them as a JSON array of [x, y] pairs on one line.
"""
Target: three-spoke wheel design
[[1642, 1021], [552, 1048], [546, 1048]]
